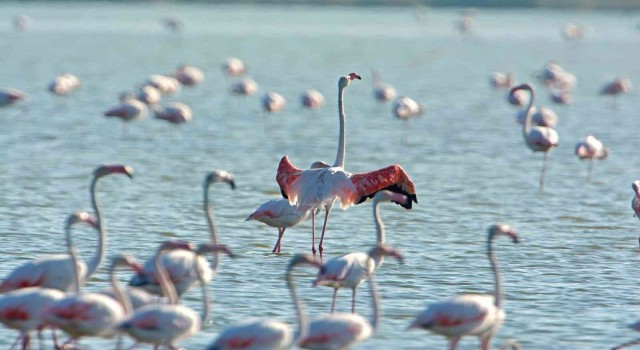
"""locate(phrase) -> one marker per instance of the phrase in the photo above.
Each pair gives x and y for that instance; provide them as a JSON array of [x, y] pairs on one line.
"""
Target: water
[[571, 282]]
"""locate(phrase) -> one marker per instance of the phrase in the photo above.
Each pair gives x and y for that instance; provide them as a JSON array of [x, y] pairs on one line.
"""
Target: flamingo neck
[[496, 273], [380, 233], [342, 138], [121, 296], [74, 259], [97, 259], [302, 331], [526, 127], [375, 302], [167, 287], [206, 304], [213, 233]]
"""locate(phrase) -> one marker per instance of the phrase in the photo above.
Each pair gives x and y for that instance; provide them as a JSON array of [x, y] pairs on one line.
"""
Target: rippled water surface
[[570, 284]]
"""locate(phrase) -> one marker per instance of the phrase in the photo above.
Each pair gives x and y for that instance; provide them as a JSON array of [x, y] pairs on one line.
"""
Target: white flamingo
[[233, 67], [22, 22], [137, 297], [635, 202], [189, 75], [336, 331], [620, 85], [165, 84], [317, 188], [10, 96], [501, 80], [83, 314], [312, 99], [381, 91], [591, 148], [148, 94], [279, 213], [350, 270], [64, 84], [479, 315], [268, 334], [273, 102], [541, 116], [183, 265], [537, 138], [246, 86], [128, 110], [175, 113], [56, 271]]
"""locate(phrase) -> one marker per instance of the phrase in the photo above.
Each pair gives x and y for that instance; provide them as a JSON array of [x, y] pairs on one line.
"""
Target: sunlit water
[[570, 284]]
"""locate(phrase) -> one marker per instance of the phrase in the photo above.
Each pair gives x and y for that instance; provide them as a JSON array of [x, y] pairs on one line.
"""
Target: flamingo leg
[[324, 227], [485, 342], [453, 343], [623, 345], [333, 303], [276, 248], [40, 338], [590, 170], [353, 301], [544, 170], [313, 232], [16, 341], [25, 341]]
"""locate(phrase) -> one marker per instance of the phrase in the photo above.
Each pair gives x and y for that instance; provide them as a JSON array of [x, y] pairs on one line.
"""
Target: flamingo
[[551, 73], [268, 334], [234, 67], [470, 314], [174, 112], [320, 187], [82, 314], [183, 265], [245, 87], [537, 138], [541, 116], [635, 202], [10, 96], [572, 31], [22, 22], [165, 84], [350, 270], [189, 75], [636, 327], [381, 91], [136, 297], [279, 213], [591, 148], [620, 85], [128, 110], [64, 84], [149, 95], [312, 99], [405, 108], [561, 97], [340, 330], [273, 102], [501, 80], [56, 271], [164, 324], [517, 98]]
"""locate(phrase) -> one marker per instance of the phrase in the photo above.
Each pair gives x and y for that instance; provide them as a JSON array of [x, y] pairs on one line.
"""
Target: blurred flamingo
[[56, 271], [350, 270], [10, 96], [273, 102], [501, 80], [317, 188], [279, 213], [233, 66], [245, 87], [165, 84], [268, 334], [189, 75], [620, 85], [22, 22], [175, 113], [64, 84], [591, 148], [312, 99], [136, 297], [128, 110], [537, 138], [572, 31], [541, 116], [479, 315], [148, 94], [381, 91], [635, 202]]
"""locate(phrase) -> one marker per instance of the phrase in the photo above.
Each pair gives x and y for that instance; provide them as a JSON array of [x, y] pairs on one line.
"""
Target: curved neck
[[74, 259], [299, 306], [375, 302], [205, 296], [121, 296], [92, 266], [526, 127], [380, 234], [342, 138], [213, 234], [167, 287], [496, 274]]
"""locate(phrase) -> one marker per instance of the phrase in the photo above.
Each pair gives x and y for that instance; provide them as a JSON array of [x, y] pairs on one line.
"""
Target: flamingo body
[[617, 86], [165, 84], [22, 309], [181, 267], [254, 335], [273, 102], [189, 75], [312, 99], [501, 80], [161, 324], [175, 113], [139, 297], [541, 116], [591, 148], [347, 270], [234, 66], [381, 91], [53, 271], [128, 110], [245, 87], [336, 331], [149, 95], [279, 213], [64, 84], [405, 108]]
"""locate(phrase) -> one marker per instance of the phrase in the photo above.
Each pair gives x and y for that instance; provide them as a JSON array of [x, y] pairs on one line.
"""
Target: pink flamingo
[[316, 188], [165, 84], [618, 86], [164, 324], [381, 91], [148, 94], [572, 31], [501, 80], [82, 314], [537, 138], [591, 148], [136, 297], [350, 270], [234, 67], [175, 113], [635, 202], [273, 102], [10, 96], [279, 213], [561, 97], [480, 315], [541, 116], [312, 99], [341, 331], [189, 75], [268, 334], [128, 110], [636, 327], [64, 84], [517, 98], [56, 271], [405, 108], [245, 87], [182, 265]]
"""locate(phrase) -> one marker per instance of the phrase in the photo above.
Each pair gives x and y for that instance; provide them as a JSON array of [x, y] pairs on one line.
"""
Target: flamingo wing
[[286, 176], [392, 178]]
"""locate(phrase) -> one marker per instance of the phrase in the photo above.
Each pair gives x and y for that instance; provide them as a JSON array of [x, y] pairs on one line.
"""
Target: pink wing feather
[[392, 178]]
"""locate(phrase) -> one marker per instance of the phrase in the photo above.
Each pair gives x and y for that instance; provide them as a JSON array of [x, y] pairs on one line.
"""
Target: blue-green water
[[570, 284]]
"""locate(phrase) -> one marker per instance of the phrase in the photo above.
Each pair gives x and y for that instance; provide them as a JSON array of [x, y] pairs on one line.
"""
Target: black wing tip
[[284, 195]]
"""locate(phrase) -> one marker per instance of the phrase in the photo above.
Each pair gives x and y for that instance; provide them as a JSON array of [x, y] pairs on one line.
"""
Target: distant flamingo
[[537, 138], [636, 327], [279, 213], [517, 98], [312, 99], [591, 148], [245, 87], [381, 91], [350, 270], [148, 94], [405, 108], [561, 97], [550, 73], [336, 331], [572, 31], [317, 188], [635, 202], [22, 22], [83, 314], [137, 297], [189, 75], [175, 113], [273, 102], [56, 271], [234, 67], [268, 334], [164, 324], [541, 116], [182, 265], [501, 80], [10, 96], [165, 84], [480, 315], [616, 87], [127, 111], [64, 84]]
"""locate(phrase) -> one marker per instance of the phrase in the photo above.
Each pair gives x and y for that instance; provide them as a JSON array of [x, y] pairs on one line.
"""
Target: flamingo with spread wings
[[316, 188]]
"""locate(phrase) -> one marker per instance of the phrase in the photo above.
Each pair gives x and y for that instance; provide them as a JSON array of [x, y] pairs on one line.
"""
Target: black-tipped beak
[[232, 184]]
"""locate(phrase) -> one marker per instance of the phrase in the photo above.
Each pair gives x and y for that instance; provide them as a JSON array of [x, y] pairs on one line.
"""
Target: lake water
[[570, 284]]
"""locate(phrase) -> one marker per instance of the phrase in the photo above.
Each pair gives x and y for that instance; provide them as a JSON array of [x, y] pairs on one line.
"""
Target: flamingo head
[[172, 245], [319, 165], [525, 86], [386, 250], [213, 248], [499, 229], [126, 260], [81, 216], [104, 170], [300, 259], [220, 176], [636, 188], [346, 80], [388, 196]]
